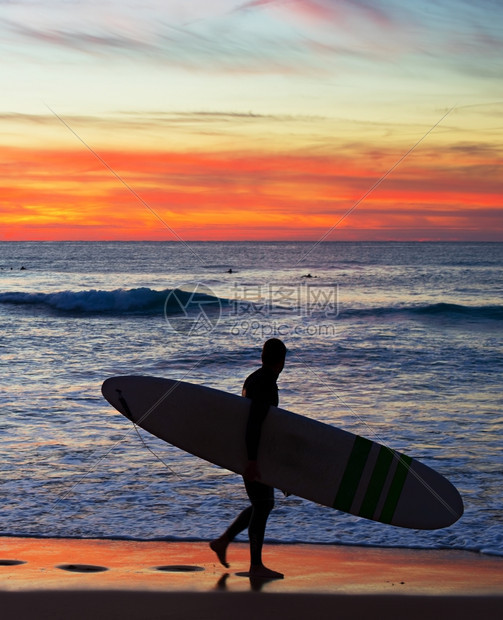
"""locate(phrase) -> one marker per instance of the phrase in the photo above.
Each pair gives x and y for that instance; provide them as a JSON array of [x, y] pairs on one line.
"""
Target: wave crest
[[120, 301], [172, 301], [442, 309]]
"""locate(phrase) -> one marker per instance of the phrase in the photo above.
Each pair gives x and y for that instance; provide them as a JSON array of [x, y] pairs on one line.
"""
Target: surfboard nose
[[112, 392], [428, 498], [454, 506]]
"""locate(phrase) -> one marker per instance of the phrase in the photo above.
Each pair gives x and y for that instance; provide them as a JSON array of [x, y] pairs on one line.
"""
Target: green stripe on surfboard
[[376, 484], [396, 488], [352, 474]]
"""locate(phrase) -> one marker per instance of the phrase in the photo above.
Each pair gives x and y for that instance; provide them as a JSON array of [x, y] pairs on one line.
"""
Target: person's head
[[273, 354]]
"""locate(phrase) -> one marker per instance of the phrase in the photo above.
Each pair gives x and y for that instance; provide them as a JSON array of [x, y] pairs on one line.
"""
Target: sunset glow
[[251, 120]]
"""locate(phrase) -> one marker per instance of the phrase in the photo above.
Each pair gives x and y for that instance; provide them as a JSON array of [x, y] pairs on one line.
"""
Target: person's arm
[[261, 395]]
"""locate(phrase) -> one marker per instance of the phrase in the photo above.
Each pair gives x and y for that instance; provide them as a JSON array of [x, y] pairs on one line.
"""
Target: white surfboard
[[298, 455]]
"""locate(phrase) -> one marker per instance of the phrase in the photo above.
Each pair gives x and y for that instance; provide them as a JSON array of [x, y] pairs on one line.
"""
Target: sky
[[259, 120]]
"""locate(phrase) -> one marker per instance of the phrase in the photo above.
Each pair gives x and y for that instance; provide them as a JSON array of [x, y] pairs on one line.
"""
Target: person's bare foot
[[262, 572], [219, 546]]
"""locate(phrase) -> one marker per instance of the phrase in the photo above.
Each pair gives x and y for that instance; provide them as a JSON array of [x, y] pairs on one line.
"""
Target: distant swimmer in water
[[229, 271], [308, 275]]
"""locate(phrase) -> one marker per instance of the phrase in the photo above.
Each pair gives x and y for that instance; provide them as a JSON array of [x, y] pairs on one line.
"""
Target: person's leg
[[219, 545], [262, 499]]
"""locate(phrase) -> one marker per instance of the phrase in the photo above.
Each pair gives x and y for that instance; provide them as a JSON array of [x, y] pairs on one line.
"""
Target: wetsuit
[[262, 389]]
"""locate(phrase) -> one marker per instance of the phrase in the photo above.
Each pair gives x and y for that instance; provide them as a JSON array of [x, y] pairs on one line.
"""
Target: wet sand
[[61, 578]]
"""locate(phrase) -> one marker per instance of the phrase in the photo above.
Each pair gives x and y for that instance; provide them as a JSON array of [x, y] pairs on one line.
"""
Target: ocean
[[398, 342]]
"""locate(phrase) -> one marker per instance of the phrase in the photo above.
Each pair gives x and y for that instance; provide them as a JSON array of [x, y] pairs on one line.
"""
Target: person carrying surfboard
[[261, 388]]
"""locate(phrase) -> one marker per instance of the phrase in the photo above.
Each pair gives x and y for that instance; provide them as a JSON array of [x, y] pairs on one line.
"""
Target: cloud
[[226, 195], [76, 37], [261, 36], [460, 35], [180, 130], [219, 42], [346, 11], [223, 40]]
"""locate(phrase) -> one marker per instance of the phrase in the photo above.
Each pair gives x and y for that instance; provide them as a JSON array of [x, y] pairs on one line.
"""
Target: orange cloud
[[55, 195]]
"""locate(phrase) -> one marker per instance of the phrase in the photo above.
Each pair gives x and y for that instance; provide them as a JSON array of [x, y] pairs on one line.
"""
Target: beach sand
[[66, 578]]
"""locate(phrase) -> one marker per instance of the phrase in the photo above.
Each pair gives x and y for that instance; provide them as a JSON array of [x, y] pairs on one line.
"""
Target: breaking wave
[[439, 310], [120, 301], [147, 301]]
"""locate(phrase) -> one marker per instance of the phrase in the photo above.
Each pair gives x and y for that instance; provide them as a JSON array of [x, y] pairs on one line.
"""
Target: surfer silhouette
[[261, 388]]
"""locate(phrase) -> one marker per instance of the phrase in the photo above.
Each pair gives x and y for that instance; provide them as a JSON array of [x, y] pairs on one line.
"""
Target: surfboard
[[297, 454]]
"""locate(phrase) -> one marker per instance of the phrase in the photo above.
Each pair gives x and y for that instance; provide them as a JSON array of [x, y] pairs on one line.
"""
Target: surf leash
[[129, 415], [98, 461]]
